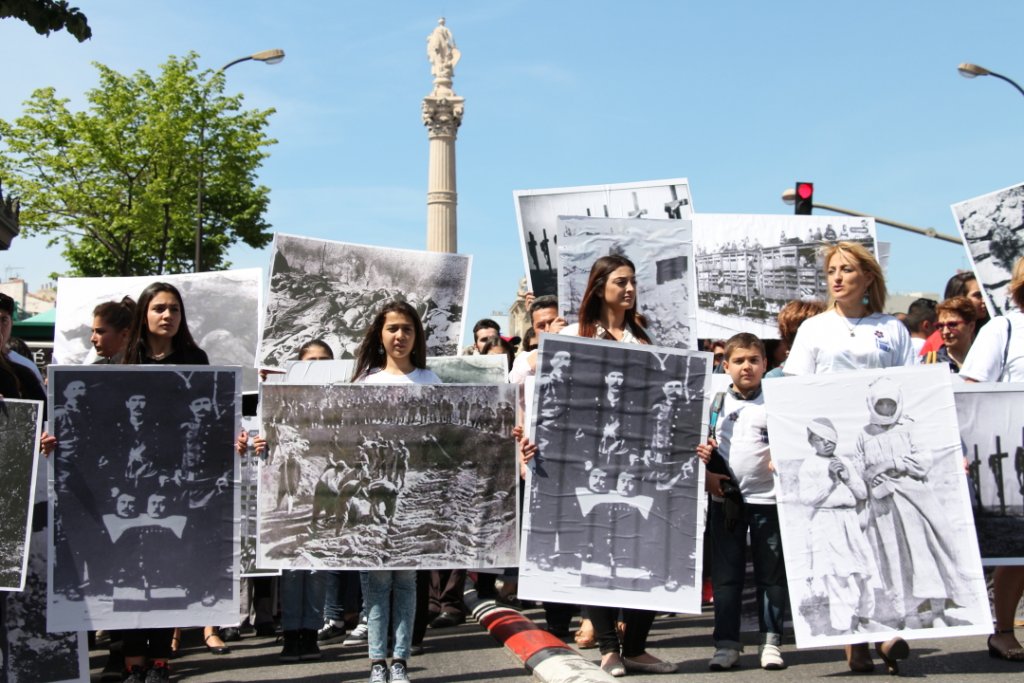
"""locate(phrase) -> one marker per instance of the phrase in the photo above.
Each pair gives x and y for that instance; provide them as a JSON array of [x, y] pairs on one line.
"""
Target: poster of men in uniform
[[537, 213], [388, 476], [144, 474], [20, 423], [332, 291], [874, 507], [614, 509], [663, 255], [992, 436]]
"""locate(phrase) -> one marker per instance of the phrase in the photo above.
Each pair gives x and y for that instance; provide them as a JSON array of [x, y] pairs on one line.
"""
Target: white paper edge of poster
[[967, 248], [993, 388], [941, 374], [256, 424], [27, 536], [642, 184], [236, 508], [609, 596]]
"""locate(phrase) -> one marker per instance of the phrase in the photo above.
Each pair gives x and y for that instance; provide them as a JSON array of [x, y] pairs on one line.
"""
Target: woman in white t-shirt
[[998, 356], [854, 334]]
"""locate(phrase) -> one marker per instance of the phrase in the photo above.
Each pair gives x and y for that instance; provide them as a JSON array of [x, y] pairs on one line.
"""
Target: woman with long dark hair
[[111, 325]]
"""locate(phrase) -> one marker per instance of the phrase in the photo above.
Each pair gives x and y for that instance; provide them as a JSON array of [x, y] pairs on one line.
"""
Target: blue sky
[[742, 98]]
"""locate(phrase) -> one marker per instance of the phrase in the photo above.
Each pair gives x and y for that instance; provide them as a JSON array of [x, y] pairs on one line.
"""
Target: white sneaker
[[724, 658], [358, 635], [771, 657]]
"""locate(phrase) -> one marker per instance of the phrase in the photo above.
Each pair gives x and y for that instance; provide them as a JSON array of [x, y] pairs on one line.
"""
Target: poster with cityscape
[[537, 213], [750, 265]]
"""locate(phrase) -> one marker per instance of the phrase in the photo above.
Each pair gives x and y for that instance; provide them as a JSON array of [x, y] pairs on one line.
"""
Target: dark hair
[[7, 304], [135, 351], [505, 347], [529, 340], [960, 306], [957, 285], [593, 298], [370, 354], [315, 342], [744, 340], [794, 314], [919, 311], [117, 314], [19, 347], [485, 323], [542, 302]]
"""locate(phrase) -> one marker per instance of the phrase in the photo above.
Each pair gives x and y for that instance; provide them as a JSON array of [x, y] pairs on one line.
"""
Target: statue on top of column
[[441, 51]]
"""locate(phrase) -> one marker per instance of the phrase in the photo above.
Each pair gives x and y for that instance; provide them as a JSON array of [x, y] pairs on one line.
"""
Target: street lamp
[[267, 57], [968, 70], [789, 196]]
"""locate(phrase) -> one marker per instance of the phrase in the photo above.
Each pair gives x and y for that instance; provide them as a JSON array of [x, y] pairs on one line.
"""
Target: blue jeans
[[390, 597], [728, 549], [302, 600], [342, 593]]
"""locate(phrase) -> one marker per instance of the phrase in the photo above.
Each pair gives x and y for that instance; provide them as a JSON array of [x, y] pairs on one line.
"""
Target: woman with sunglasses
[[956, 321]]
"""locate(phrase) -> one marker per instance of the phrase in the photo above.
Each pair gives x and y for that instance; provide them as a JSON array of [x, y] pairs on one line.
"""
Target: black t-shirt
[[29, 389], [193, 356]]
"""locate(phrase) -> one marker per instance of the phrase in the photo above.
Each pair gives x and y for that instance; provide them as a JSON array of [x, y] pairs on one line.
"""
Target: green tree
[[46, 16], [116, 185]]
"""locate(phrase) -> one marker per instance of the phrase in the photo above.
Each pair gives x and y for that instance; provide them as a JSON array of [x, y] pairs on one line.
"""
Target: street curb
[[548, 658]]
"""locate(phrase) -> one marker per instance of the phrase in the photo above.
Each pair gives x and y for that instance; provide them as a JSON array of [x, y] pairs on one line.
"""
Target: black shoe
[[230, 634], [136, 675], [158, 673], [266, 629], [308, 649], [292, 651], [448, 619], [216, 649], [330, 634]]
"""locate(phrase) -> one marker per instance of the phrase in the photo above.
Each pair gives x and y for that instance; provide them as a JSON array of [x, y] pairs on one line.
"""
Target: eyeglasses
[[952, 325]]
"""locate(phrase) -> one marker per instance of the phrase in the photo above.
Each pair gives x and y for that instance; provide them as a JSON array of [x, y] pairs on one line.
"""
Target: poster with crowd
[[449, 369], [617, 427], [332, 290], [537, 213], [20, 425], [874, 507], [223, 309], [992, 436], [144, 474], [749, 266], [388, 476], [992, 227], [30, 653], [662, 252]]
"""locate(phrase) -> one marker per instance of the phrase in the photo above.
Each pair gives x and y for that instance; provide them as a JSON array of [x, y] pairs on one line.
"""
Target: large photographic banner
[[249, 489], [874, 507], [332, 291], [145, 497], [615, 502], [662, 252], [388, 476], [991, 418], [449, 369], [992, 226], [223, 310], [537, 213], [20, 424], [749, 266]]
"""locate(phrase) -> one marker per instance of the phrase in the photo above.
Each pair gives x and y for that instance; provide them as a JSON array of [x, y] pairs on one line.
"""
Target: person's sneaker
[[378, 674], [771, 657], [398, 673], [330, 634], [159, 673], [135, 675], [724, 658], [292, 651], [308, 649], [358, 635]]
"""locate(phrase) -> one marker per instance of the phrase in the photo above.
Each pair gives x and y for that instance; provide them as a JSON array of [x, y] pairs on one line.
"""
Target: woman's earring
[[381, 350]]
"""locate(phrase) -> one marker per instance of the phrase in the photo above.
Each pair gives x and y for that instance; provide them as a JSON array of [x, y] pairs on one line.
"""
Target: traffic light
[[804, 199]]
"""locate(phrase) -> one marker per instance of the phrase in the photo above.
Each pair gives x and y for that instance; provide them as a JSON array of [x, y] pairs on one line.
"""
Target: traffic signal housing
[[804, 199]]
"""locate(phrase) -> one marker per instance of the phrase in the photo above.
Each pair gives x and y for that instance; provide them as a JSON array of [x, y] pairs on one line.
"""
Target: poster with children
[[874, 507]]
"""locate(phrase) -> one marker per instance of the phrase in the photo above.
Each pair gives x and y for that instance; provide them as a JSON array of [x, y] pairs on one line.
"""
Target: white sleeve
[[520, 368], [801, 359], [905, 354], [984, 362]]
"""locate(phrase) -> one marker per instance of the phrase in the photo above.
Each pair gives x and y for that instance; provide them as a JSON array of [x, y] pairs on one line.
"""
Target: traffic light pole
[[927, 232]]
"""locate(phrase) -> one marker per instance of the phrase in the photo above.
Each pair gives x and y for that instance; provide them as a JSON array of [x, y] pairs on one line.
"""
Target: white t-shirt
[[918, 343], [824, 344], [984, 362], [417, 376], [521, 368], [742, 431]]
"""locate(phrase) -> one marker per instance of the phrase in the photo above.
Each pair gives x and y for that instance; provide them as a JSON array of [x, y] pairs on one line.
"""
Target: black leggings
[[151, 643], [634, 641]]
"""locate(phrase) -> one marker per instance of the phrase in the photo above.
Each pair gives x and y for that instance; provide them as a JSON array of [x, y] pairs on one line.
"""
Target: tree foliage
[[116, 185], [47, 16]]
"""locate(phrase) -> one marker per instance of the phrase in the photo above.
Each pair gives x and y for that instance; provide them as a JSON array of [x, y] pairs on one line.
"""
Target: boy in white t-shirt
[[741, 482]]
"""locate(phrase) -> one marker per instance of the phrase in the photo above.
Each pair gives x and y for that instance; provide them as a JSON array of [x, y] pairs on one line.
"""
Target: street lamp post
[[267, 57], [968, 70]]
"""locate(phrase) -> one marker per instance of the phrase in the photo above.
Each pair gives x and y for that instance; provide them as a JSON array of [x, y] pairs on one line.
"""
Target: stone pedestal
[[442, 114]]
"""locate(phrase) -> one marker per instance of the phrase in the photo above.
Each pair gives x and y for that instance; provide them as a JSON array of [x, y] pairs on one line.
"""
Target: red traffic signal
[[804, 199]]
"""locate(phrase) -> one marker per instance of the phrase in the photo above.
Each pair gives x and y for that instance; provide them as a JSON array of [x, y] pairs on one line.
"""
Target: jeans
[[342, 593], [729, 566], [302, 600], [390, 597]]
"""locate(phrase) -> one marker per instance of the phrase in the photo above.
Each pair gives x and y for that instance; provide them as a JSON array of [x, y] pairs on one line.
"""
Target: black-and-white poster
[[614, 509], [992, 226], [144, 474], [223, 310], [248, 486], [992, 436], [749, 266], [388, 476], [20, 423], [874, 507], [332, 291], [537, 213], [450, 370], [666, 280], [31, 654]]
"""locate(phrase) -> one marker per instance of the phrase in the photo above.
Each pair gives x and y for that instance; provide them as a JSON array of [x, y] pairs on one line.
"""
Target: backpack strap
[[1006, 349], [716, 408]]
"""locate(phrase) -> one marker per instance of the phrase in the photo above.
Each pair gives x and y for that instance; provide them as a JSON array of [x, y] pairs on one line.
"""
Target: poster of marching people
[[614, 509], [992, 227], [388, 476], [331, 290], [663, 254], [144, 474], [749, 266], [537, 213], [227, 323], [20, 423], [32, 654], [992, 436], [874, 507]]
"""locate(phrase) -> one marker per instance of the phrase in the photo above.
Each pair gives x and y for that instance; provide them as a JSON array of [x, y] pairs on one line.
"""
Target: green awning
[[37, 328]]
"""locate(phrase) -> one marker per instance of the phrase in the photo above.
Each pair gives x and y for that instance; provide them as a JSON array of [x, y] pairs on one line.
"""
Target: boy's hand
[[713, 483], [704, 450], [838, 469]]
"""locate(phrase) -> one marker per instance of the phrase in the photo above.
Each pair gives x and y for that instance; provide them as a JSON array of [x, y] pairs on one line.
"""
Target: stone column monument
[[442, 114]]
